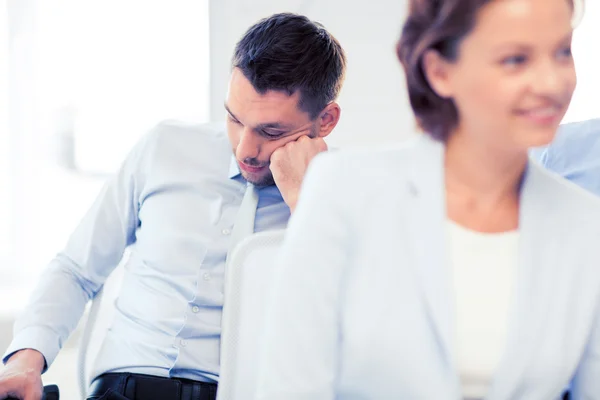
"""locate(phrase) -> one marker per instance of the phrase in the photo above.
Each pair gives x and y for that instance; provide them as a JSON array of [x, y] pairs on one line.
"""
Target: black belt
[[147, 387]]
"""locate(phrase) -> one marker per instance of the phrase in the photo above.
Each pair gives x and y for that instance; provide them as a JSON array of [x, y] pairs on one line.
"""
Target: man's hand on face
[[289, 164]]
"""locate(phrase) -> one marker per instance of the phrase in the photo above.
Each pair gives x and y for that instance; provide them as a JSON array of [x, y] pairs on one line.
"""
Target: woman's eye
[[566, 52], [514, 61]]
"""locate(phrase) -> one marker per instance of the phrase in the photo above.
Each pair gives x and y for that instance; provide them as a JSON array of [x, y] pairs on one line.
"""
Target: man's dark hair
[[289, 52]]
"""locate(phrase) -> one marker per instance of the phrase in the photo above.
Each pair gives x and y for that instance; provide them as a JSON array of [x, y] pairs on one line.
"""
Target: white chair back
[[247, 280]]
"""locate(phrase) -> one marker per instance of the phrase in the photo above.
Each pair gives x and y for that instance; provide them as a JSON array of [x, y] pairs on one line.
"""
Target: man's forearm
[[53, 311]]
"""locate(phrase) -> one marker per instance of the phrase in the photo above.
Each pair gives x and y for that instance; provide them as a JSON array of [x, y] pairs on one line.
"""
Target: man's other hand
[[21, 378]]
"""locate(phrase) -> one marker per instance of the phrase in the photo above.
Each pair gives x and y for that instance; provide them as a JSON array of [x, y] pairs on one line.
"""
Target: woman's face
[[514, 76]]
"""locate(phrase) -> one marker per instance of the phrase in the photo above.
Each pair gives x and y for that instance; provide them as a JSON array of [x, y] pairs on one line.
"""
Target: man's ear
[[437, 73], [328, 119]]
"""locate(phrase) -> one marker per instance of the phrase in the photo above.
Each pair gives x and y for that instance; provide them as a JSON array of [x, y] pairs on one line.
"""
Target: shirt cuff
[[42, 339]]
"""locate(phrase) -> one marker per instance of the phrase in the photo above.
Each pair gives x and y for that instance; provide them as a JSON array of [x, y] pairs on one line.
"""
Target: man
[[175, 203], [574, 154]]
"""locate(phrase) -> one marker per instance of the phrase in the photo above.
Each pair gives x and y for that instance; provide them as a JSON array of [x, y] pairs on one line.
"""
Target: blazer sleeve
[[299, 353]]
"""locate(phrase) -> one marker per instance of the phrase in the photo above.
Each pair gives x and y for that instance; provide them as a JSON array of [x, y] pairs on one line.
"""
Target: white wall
[[373, 100], [374, 105]]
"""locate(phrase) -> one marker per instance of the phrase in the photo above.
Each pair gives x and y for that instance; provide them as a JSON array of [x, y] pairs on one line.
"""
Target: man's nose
[[249, 145]]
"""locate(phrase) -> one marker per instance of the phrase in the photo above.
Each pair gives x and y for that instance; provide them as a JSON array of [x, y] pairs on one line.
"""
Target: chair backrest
[[247, 279], [99, 318]]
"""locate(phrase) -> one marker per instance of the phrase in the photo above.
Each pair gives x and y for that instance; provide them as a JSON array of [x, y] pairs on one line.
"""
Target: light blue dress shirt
[[575, 154], [174, 201]]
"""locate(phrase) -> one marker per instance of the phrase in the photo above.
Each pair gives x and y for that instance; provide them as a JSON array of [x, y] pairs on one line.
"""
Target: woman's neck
[[482, 183]]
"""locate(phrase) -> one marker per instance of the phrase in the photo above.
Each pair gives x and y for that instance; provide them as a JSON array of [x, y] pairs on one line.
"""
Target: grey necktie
[[244, 221]]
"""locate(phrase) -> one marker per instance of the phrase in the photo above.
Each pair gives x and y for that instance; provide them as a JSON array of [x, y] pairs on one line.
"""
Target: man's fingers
[[4, 390], [34, 394], [24, 387], [303, 138], [298, 151], [321, 144]]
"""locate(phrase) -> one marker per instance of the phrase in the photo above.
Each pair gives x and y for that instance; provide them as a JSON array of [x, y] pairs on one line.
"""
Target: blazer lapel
[[533, 288], [427, 216]]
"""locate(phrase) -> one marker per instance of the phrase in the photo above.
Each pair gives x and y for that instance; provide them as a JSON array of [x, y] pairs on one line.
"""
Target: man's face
[[258, 124]]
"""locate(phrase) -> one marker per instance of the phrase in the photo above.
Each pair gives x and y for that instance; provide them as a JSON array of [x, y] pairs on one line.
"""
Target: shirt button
[[195, 309], [183, 342], [225, 231], [206, 276]]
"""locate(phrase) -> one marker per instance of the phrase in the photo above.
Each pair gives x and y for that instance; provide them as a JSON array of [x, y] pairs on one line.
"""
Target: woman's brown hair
[[439, 25]]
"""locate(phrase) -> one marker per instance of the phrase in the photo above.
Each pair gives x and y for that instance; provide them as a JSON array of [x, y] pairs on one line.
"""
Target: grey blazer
[[363, 303]]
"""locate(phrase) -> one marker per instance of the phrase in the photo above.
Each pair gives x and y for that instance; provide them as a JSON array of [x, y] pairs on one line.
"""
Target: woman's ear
[[437, 72]]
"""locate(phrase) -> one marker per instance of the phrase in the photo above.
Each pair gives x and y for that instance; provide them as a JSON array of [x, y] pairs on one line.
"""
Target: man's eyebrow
[[267, 125], [230, 113], [273, 125]]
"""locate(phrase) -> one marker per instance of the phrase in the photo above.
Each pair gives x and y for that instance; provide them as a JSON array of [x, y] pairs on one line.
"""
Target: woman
[[450, 267]]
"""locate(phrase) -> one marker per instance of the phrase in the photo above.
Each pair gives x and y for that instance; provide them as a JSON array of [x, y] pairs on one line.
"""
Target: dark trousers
[[125, 386]]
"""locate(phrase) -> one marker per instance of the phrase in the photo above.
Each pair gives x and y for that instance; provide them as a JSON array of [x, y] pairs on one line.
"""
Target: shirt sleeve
[[574, 154], [299, 352], [92, 252]]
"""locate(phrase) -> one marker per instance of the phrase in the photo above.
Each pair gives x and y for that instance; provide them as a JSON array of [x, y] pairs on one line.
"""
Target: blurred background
[[82, 80]]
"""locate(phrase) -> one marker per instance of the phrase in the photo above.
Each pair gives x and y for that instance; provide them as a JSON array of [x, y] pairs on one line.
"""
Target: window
[[110, 70], [88, 79]]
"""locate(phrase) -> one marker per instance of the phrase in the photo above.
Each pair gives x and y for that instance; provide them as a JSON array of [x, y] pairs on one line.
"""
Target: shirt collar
[[234, 168]]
